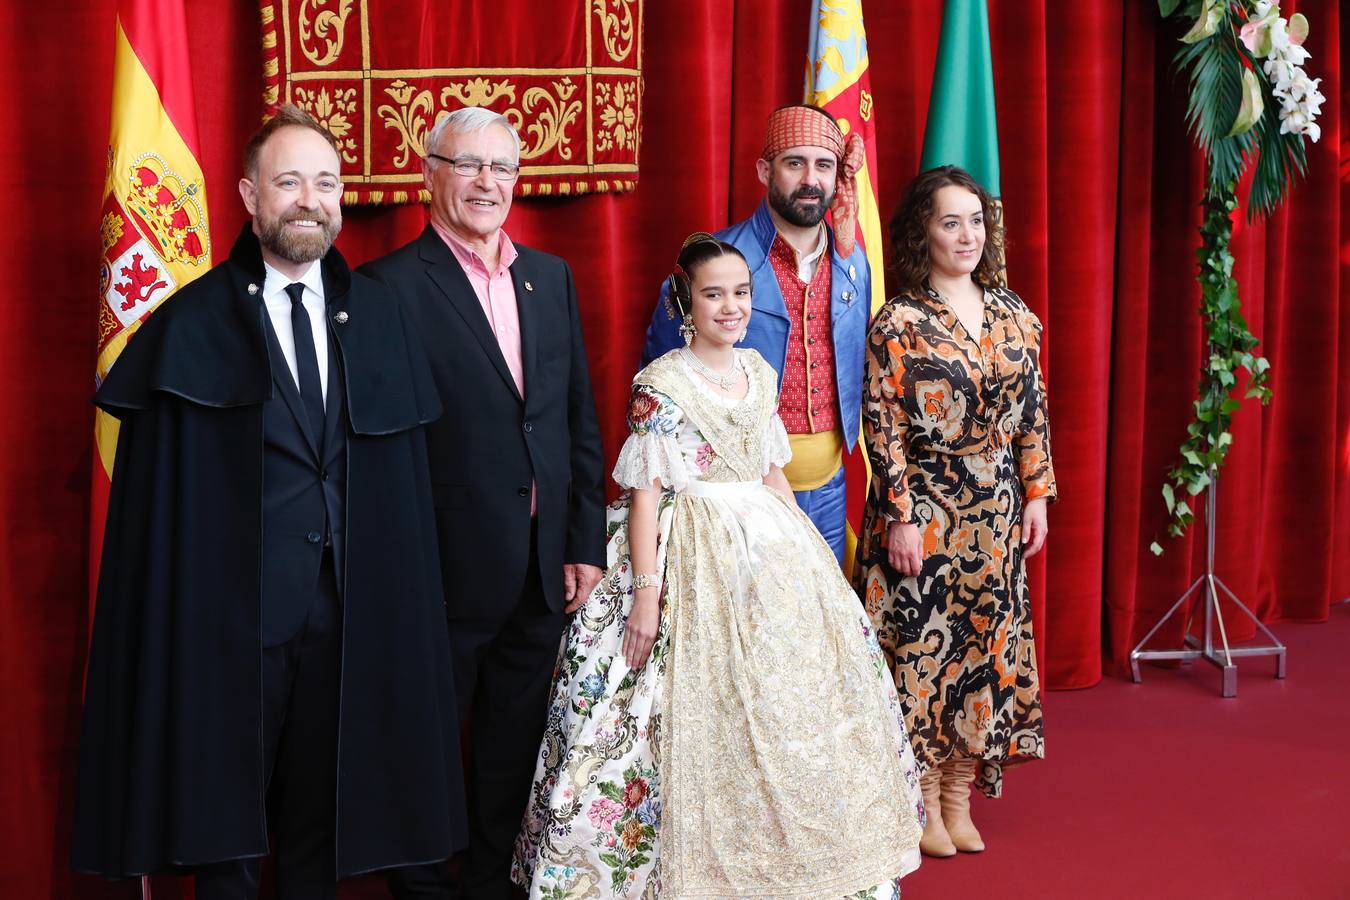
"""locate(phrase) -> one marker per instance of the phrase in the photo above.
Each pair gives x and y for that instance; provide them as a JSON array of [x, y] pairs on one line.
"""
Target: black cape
[[171, 769]]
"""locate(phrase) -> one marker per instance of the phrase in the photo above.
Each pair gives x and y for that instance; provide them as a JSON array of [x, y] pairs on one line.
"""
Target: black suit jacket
[[490, 443], [304, 495]]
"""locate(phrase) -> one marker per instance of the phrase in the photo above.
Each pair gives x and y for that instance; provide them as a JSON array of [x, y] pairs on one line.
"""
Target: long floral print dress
[[760, 751], [957, 434]]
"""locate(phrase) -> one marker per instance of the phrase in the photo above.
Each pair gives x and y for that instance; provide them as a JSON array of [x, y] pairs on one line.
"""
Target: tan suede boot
[[957, 774], [934, 841]]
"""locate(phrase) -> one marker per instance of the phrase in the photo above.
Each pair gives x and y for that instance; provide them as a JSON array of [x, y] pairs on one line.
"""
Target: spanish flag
[[837, 82], [154, 233]]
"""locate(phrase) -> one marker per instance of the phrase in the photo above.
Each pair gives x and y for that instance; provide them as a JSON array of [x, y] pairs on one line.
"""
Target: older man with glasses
[[517, 470]]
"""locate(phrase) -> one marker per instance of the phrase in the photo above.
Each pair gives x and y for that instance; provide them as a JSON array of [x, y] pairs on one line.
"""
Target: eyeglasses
[[469, 167]]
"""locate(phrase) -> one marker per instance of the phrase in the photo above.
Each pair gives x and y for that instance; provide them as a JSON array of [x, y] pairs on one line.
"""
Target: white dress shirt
[[278, 304], [806, 265]]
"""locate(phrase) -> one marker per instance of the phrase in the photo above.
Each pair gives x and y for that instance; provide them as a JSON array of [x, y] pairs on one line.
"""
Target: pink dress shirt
[[497, 295]]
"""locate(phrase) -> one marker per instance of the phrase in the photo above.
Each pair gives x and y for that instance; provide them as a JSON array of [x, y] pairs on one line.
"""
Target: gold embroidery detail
[[332, 111], [409, 119], [616, 24], [328, 25], [549, 128], [479, 92], [112, 231], [618, 116], [107, 323], [555, 109]]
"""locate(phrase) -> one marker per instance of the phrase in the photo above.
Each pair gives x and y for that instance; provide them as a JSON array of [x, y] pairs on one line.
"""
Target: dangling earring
[[687, 330], [745, 331]]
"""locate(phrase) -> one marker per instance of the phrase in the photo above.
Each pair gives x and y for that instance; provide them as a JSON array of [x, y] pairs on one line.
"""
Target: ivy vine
[[1230, 345]]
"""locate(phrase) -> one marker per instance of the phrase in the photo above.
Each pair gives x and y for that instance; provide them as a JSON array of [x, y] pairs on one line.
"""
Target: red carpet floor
[[1166, 790]]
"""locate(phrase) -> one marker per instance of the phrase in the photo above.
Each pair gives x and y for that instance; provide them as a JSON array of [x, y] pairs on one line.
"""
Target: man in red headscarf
[[811, 289]]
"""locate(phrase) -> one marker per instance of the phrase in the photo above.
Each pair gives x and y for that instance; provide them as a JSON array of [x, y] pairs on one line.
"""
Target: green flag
[[962, 128]]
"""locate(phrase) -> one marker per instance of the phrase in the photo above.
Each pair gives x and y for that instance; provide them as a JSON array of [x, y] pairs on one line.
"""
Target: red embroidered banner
[[379, 73]]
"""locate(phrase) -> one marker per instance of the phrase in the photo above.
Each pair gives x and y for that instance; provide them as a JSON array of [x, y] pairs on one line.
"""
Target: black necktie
[[306, 360]]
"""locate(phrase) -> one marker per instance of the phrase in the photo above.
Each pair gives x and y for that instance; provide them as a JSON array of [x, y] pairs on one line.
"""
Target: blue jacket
[[850, 298]]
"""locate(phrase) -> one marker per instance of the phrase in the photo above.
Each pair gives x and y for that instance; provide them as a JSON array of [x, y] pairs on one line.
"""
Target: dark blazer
[[304, 496], [490, 443]]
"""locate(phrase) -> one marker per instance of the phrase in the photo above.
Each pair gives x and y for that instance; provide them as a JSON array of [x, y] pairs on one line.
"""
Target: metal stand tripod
[[1203, 647]]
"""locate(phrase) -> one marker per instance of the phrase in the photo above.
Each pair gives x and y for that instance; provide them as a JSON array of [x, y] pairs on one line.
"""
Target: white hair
[[469, 119]]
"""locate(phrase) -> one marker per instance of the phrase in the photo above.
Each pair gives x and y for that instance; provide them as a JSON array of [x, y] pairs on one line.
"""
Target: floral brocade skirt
[[760, 751]]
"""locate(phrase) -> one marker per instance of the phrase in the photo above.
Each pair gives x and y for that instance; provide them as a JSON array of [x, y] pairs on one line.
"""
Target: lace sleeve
[[777, 450], [652, 449]]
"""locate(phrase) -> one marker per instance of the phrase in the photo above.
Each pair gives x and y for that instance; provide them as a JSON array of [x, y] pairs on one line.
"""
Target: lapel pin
[[848, 296], [852, 272], [528, 286], [341, 317], [252, 289]]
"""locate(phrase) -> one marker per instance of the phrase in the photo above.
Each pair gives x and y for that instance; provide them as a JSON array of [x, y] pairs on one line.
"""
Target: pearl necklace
[[725, 382]]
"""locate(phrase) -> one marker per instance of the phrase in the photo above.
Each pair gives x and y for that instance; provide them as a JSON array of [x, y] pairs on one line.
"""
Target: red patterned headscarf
[[804, 126]]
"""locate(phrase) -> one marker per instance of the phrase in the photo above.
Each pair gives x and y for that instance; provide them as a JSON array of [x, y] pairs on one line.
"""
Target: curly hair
[[910, 262]]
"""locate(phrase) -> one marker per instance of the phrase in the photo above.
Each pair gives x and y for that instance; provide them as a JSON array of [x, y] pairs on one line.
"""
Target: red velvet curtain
[[1100, 186]]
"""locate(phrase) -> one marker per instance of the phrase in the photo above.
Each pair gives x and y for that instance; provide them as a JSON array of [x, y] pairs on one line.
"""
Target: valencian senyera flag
[[154, 233], [962, 128], [837, 81]]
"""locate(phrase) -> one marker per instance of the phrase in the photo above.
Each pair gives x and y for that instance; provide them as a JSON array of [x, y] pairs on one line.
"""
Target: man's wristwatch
[[645, 581]]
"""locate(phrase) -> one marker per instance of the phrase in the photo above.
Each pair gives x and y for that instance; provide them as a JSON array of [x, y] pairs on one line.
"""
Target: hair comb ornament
[[697, 237]]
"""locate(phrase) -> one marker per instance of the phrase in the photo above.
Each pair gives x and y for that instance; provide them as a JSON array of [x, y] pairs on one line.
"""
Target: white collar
[[821, 243], [275, 284]]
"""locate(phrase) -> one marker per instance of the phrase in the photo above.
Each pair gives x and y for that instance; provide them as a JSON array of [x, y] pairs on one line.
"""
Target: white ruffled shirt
[[668, 446]]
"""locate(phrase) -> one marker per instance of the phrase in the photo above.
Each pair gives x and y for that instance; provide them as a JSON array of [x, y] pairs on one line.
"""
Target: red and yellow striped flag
[[154, 229], [837, 81]]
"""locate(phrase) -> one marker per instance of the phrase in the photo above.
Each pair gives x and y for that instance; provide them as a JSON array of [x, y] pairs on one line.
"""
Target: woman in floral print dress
[[722, 722], [954, 421]]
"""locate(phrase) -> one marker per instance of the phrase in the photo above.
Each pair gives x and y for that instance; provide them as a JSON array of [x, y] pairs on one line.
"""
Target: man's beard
[[792, 208], [298, 247]]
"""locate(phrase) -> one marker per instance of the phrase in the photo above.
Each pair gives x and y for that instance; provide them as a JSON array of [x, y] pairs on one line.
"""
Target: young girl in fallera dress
[[722, 722]]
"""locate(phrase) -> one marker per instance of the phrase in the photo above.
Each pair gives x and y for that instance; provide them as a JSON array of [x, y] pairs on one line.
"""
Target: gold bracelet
[[645, 581]]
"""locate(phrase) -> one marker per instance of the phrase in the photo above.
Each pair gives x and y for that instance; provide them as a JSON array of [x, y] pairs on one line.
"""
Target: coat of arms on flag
[[157, 220]]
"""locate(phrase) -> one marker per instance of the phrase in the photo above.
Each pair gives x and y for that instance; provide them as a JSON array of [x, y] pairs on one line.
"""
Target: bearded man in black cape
[[270, 650]]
